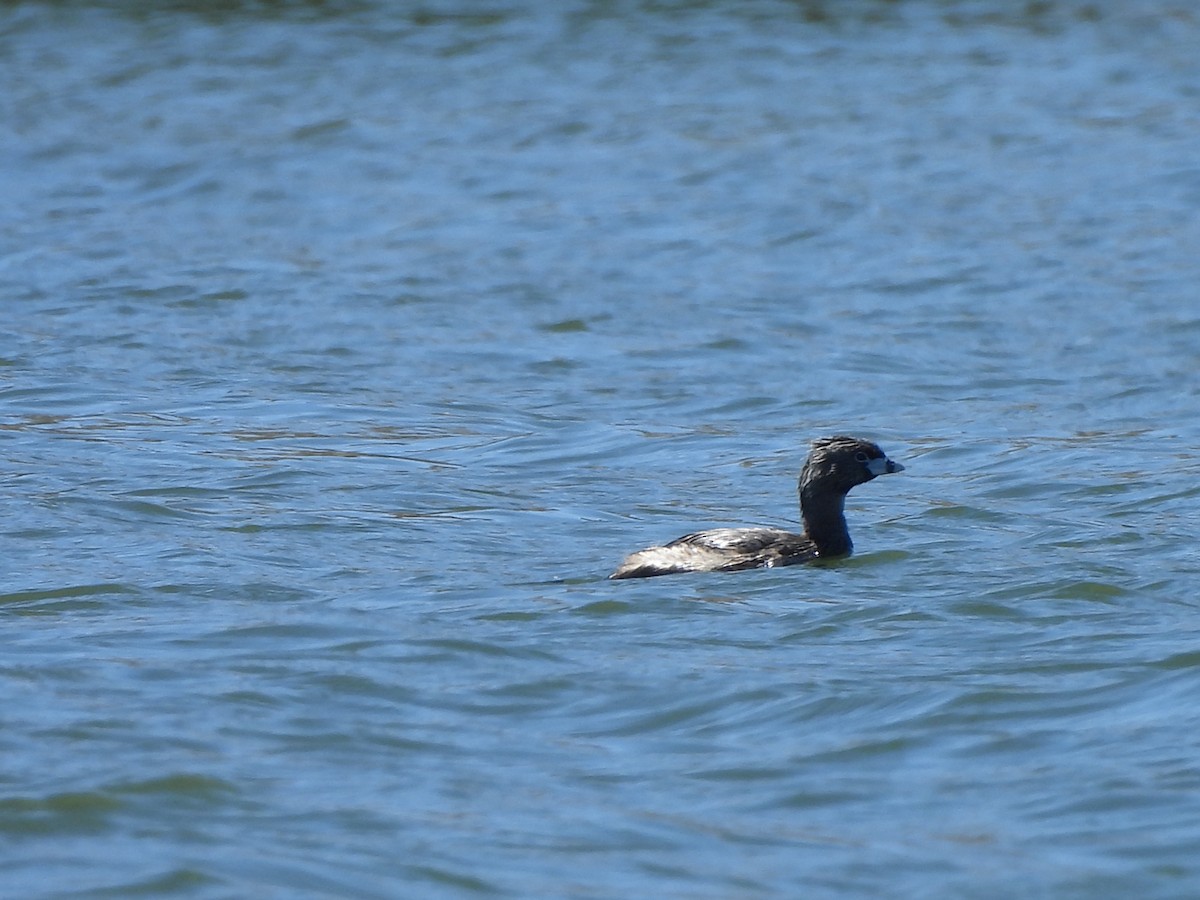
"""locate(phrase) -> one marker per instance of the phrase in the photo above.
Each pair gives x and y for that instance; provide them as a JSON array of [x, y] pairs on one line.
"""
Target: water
[[347, 347]]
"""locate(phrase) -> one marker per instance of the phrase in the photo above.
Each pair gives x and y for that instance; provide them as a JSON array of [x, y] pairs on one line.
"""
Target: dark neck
[[825, 521]]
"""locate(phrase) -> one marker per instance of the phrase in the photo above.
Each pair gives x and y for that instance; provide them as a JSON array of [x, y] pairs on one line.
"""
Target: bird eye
[[860, 457]]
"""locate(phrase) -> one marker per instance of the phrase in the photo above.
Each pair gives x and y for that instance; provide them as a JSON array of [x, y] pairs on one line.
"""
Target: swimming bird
[[834, 466]]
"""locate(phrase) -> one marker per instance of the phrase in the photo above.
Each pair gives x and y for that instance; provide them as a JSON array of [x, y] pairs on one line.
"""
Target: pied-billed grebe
[[833, 467]]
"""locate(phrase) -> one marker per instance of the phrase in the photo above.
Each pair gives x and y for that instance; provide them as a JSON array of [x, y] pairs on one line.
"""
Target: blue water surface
[[345, 348]]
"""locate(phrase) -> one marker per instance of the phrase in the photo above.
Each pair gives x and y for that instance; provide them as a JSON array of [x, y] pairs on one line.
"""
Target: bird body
[[834, 466]]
